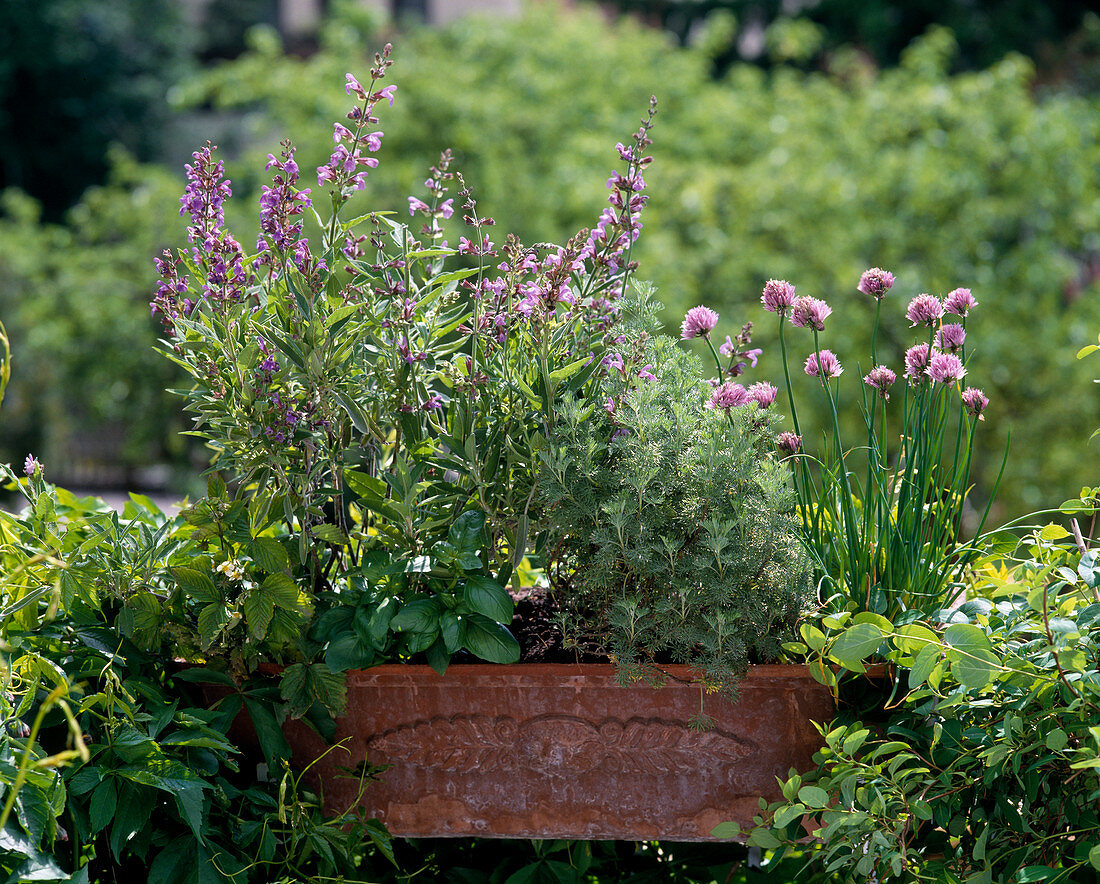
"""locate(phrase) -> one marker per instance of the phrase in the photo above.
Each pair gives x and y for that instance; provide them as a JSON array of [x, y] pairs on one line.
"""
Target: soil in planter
[[535, 627]]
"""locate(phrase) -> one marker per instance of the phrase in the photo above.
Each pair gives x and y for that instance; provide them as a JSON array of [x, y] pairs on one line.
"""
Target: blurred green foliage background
[[849, 142]]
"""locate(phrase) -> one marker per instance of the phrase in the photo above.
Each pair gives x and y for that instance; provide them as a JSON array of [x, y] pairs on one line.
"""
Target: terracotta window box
[[562, 751]]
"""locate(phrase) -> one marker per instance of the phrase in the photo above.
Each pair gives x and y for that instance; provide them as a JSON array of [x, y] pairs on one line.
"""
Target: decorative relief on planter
[[562, 751], [551, 744]]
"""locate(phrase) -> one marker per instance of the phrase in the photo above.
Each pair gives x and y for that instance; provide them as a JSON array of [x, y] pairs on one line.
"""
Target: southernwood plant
[[672, 534]]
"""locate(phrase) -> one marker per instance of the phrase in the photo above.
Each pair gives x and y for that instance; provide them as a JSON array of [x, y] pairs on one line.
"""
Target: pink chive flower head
[[791, 443], [876, 282], [916, 361], [810, 313], [763, 394], [975, 402], [698, 323], [951, 337], [960, 302], [946, 368], [728, 395], [881, 378], [778, 296], [824, 365], [924, 310]]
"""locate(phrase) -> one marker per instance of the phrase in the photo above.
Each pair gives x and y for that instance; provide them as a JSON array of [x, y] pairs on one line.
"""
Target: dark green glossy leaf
[[486, 596], [490, 641]]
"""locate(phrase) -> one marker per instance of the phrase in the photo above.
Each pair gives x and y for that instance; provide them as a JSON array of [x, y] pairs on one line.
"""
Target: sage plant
[[376, 394]]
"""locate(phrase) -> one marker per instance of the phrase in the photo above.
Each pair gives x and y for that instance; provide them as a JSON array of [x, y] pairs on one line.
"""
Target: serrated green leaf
[[33, 810], [199, 585], [282, 590], [101, 809], [329, 534], [303, 684], [258, 608], [212, 620], [269, 554]]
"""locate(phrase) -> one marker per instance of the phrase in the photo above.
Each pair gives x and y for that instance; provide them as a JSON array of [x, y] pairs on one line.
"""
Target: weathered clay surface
[[562, 751]]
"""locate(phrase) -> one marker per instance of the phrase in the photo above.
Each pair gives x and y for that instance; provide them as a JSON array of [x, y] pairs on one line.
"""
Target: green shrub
[[672, 533], [983, 763]]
